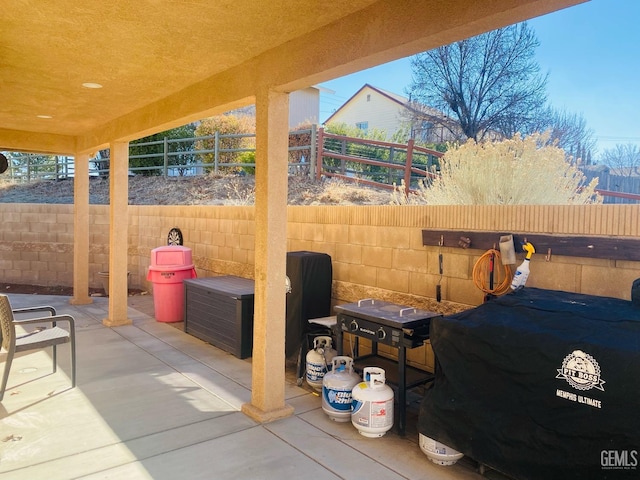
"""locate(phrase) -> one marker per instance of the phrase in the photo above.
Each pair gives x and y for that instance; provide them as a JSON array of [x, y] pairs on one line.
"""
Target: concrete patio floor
[[155, 402]]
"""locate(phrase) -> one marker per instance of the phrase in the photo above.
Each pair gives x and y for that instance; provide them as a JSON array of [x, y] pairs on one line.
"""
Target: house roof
[[163, 63], [393, 96], [399, 99]]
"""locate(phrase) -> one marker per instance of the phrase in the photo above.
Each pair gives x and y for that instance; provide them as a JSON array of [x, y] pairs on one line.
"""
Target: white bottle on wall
[[522, 272]]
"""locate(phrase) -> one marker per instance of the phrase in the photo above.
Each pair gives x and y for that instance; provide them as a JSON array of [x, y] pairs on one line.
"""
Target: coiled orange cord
[[482, 273]]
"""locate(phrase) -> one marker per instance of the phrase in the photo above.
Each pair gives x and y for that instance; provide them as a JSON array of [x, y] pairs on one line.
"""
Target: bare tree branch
[[490, 84], [624, 160]]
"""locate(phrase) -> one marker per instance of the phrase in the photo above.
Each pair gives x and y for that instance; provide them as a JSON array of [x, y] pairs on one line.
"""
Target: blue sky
[[591, 52]]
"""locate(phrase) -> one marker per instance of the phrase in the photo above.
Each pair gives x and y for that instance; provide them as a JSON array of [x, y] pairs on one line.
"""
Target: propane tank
[[372, 404], [319, 361], [438, 453], [336, 389], [522, 272]]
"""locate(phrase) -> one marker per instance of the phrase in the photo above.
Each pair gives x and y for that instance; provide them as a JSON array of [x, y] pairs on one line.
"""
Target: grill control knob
[[381, 333], [353, 326]]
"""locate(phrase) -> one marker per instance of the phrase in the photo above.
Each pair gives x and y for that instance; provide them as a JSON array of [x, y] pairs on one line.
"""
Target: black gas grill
[[387, 323]]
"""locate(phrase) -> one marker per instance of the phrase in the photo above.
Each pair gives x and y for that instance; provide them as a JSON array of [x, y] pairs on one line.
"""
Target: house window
[[426, 131], [368, 97], [362, 126]]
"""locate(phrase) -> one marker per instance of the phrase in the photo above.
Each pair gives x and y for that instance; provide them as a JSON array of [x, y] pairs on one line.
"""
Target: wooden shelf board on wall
[[574, 246]]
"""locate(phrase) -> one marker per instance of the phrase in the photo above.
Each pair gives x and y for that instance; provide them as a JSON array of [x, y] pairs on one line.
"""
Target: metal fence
[[172, 157], [30, 168], [312, 152], [208, 154], [375, 163]]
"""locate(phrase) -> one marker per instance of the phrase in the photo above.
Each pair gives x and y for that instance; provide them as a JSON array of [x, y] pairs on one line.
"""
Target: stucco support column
[[269, 324], [81, 231], [118, 234]]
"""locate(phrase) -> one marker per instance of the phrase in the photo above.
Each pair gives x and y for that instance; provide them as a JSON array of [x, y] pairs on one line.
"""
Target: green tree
[[153, 155]]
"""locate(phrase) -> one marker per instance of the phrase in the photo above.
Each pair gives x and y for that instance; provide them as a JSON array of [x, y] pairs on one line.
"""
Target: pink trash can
[[170, 266]]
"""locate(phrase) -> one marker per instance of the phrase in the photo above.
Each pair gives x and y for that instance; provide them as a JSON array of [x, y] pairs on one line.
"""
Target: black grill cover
[[540, 384], [311, 276]]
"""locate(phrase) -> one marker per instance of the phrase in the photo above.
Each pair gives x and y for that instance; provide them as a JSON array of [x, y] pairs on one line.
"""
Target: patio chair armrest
[[52, 320], [43, 308]]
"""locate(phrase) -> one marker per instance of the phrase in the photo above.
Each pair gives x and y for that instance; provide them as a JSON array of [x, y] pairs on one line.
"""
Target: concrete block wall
[[36, 244], [376, 251], [99, 245], [220, 238]]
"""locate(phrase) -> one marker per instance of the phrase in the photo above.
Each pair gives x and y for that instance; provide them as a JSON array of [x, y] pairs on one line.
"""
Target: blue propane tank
[[319, 361], [336, 389]]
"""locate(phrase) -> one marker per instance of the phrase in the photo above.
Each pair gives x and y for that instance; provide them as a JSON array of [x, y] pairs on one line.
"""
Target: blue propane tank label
[[339, 400], [316, 371]]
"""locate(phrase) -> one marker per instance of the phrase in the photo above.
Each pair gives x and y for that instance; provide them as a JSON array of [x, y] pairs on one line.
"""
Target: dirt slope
[[201, 190]]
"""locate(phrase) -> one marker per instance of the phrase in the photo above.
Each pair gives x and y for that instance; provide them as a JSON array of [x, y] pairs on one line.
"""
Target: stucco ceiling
[[155, 56], [140, 51]]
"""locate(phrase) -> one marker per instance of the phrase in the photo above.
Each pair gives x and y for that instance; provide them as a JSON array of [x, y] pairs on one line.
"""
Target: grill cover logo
[[581, 371]]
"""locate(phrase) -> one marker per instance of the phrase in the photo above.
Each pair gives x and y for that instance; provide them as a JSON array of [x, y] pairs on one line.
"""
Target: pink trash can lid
[[171, 255]]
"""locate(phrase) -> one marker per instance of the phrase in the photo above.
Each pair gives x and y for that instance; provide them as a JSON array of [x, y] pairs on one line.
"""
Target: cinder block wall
[[36, 244], [376, 251]]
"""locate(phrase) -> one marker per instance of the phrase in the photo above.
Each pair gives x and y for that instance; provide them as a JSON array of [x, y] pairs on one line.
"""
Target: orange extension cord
[[482, 273]]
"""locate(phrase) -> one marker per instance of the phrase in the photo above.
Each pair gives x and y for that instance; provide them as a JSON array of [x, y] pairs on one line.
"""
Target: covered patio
[[155, 402], [84, 77]]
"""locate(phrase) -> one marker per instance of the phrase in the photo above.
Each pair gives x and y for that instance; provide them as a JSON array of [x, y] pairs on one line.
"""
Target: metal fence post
[[391, 174], [343, 151], [165, 157], [319, 153], [313, 151], [407, 166], [216, 150]]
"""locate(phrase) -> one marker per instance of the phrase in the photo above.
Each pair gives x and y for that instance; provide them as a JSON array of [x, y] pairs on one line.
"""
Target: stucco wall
[[376, 251]]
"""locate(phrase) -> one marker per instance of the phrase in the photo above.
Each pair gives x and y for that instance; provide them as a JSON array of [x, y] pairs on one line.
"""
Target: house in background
[[372, 108], [304, 107]]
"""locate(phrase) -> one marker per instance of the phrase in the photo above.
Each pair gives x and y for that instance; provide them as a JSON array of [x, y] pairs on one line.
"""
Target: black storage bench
[[219, 310]]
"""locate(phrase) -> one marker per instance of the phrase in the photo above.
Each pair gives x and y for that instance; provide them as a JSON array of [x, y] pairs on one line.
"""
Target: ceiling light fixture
[[46, 117], [91, 85]]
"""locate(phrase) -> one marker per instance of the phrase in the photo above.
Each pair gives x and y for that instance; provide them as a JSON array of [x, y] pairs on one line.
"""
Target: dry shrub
[[6, 183], [240, 192], [516, 171], [300, 137], [339, 192]]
